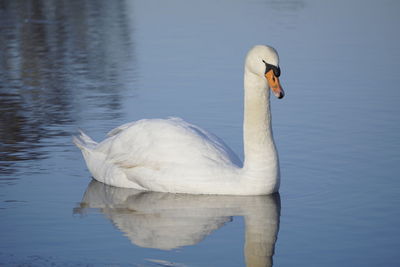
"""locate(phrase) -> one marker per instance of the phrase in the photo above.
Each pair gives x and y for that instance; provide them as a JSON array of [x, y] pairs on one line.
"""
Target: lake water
[[94, 65]]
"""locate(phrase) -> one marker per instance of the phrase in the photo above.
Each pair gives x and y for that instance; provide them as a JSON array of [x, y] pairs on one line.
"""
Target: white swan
[[172, 155]]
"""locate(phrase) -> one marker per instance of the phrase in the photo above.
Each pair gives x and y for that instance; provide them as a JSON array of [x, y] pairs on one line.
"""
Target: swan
[[171, 155]]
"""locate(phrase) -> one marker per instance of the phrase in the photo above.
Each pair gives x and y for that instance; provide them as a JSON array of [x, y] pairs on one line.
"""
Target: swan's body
[[174, 156]]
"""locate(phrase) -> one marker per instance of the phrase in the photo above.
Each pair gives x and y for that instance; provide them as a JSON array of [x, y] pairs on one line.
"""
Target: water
[[97, 64]]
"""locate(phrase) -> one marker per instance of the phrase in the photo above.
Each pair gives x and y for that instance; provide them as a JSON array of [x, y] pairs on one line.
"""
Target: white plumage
[[171, 155]]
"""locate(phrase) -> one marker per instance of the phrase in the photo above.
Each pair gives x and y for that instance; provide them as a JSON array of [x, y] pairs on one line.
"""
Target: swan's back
[[153, 142]]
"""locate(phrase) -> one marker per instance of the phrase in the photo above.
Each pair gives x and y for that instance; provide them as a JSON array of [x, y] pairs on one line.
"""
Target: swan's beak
[[274, 84]]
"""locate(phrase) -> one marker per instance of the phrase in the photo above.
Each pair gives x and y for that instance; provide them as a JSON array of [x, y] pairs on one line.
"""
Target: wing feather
[[158, 143]]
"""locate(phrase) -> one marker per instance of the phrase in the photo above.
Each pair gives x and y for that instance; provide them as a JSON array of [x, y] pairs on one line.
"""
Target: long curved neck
[[260, 157]]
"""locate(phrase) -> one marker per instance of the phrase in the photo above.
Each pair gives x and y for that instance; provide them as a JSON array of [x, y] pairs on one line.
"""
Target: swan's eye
[[276, 70]]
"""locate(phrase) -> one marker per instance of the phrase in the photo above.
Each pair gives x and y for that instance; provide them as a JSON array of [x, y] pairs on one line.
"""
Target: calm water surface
[[94, 65]]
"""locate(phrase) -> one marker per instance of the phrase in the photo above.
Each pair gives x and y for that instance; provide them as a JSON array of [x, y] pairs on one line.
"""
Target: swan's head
[[263, 61]]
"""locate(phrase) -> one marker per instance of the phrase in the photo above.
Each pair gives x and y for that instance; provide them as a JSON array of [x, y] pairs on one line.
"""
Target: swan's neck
[[260, 157]]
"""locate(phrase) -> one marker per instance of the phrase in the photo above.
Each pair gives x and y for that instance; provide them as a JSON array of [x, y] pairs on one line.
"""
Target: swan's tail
[[84, 142]]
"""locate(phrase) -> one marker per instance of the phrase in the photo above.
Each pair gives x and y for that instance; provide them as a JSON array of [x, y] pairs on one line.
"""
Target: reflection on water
[[70, 64], [169, 221], [56, 64]]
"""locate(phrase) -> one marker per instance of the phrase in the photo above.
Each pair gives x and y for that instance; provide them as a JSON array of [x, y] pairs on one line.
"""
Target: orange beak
[[274, 84]]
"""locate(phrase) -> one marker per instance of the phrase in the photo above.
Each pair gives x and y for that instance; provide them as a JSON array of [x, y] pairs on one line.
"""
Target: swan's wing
[[158, 143], [215, 140]]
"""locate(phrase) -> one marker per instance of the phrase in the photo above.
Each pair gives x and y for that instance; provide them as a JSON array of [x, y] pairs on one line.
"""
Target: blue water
[[97, 64]]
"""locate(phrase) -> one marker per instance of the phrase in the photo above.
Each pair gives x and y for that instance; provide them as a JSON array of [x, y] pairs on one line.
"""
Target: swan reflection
[[168, 221]]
